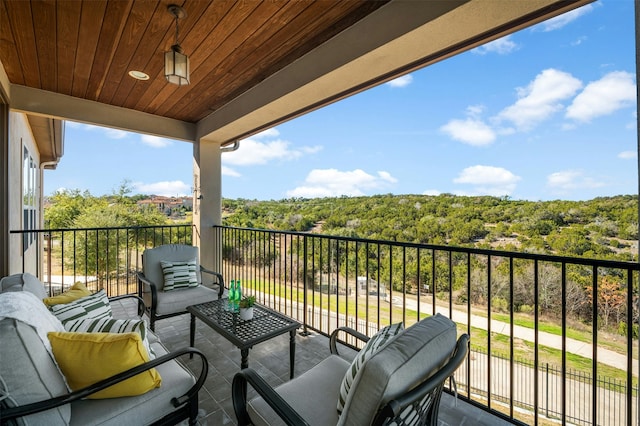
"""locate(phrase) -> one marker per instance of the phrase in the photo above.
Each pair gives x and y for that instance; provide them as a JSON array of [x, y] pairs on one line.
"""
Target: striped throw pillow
[[179, 274], [377, 342], [90, 307], [111, 325]]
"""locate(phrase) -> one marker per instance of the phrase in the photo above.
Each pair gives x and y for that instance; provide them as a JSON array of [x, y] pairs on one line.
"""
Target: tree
[[65, 206], [103, 249], [611, 299]]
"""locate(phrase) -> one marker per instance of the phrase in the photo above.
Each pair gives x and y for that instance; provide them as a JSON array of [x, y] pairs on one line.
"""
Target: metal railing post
[[305, 331]]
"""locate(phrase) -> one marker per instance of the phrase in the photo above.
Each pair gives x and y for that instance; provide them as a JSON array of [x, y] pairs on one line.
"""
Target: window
[[28, 198]]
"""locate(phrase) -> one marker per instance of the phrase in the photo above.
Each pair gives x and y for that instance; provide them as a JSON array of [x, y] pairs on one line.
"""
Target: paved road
[[605, 356]]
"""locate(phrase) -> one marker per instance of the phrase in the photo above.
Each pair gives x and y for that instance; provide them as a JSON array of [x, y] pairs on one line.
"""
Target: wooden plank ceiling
[[85, 48]]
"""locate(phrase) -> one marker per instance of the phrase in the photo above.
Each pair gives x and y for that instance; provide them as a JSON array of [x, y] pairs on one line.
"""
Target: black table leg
[[292, 352], [192, 333], [244, 362]]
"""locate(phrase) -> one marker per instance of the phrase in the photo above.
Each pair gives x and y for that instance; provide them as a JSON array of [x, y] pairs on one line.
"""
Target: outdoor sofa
[[34, 391]]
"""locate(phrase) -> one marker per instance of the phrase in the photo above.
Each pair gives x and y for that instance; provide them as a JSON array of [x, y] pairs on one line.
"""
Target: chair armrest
[[36, 407], [218, 277], [270, 396], [141, 306], [143, 281], [334, 338]]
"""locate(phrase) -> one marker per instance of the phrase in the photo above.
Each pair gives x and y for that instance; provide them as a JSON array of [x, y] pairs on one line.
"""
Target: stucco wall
[[20, 136]]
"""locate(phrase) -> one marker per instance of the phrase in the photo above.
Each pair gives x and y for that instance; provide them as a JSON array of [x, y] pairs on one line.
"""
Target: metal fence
[[578, 384], [102, 258], [326, 282]]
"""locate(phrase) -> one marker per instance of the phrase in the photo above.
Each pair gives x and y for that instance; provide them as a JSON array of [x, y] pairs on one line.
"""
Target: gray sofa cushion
[[23, 282], [29, 373], [320, 383], [141, 409], [407, 360]]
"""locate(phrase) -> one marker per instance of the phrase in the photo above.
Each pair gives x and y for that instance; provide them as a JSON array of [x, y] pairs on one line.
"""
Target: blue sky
[[546, 113]]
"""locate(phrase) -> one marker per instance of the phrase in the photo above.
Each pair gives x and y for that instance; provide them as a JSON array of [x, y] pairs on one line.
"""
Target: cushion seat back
[[172, 253], [406, 361], [23, 282]]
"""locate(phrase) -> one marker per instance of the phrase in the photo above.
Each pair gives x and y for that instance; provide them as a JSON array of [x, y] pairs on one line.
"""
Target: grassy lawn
[[499, 342], [615, 344]]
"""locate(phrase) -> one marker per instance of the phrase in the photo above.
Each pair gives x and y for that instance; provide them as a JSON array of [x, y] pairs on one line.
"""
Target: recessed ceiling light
[[139, 75]]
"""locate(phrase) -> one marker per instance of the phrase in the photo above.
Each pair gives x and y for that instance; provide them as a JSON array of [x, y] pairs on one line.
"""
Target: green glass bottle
[[232, 295], [238, 292]]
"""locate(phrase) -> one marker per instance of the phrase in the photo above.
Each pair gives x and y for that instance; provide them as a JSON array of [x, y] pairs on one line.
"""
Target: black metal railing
[[578, 315], [102, 258], [570, 320]]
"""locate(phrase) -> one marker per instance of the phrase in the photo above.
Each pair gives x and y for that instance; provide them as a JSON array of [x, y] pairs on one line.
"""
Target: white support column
[[207, 201]]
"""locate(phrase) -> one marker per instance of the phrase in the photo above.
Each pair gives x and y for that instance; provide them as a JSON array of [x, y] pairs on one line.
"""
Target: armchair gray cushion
[[402, 364], [169, 252], [151, 282], [178, 300], [321, 384]]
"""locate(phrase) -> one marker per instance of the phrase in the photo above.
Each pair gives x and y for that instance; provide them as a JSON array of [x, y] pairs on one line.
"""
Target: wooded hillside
[[604, 228]]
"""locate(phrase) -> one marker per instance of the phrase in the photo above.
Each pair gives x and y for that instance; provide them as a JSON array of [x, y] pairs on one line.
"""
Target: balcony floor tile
[[271, 360]]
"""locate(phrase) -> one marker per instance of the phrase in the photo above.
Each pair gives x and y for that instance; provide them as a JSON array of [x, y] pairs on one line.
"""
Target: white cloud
[[571, 179], [612, 92], [253, 152], [541, 98], [403, 81], [155, 141], [633, 124], [333, 183], [471, 131], [228, 171], [166, 188], [433, 192], [628, 155], [108, 132], [387, 177], [475, 110], [579, 41], [115, 133], [488, 180], [501, 46], [564, 19]]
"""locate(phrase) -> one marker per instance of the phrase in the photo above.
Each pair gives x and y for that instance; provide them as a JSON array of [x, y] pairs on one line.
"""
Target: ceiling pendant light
[[176, 63]]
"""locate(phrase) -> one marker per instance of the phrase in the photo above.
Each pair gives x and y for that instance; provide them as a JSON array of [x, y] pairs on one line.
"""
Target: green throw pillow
[[90, 307], [179, 274], [111, 325], [377, 342]]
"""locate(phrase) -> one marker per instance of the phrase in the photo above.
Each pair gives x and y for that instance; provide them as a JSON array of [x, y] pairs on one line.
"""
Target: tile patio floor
[[271, 360]]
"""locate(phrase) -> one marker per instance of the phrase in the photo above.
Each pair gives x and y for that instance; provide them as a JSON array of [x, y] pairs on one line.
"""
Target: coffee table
[[266, 324]]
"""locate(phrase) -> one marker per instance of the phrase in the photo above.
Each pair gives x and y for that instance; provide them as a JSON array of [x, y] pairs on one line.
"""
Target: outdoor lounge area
[[517, 395], [255, 65], [270, 359], [144, 401]]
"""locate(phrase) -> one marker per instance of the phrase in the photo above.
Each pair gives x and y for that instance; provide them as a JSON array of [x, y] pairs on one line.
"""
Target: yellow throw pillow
[[87, 358], [76, 292]]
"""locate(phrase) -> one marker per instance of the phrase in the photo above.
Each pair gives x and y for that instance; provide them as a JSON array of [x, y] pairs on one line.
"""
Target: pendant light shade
[[176, 63], [176, 66]]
